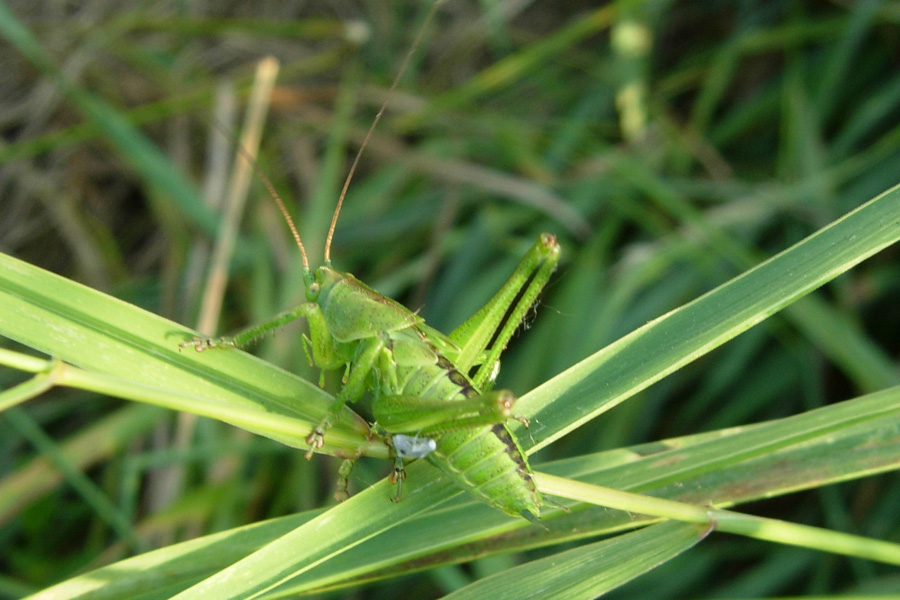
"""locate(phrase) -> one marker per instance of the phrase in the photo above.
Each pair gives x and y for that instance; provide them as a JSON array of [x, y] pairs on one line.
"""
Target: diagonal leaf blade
[[655, 350]]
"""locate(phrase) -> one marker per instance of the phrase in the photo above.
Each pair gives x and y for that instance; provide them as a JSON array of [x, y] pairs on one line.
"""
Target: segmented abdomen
[[486, 461], [489, 465]]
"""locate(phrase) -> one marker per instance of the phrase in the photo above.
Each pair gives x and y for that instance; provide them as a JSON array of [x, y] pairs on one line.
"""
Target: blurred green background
[[669, 145]]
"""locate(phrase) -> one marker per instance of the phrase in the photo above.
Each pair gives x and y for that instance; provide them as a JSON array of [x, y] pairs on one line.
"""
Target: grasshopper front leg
[[245, 336], [323, 355], [353, 389]]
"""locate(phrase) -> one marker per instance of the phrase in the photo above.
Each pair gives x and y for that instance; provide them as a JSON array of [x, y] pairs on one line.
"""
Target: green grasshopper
[[425, 394], [432, 393]]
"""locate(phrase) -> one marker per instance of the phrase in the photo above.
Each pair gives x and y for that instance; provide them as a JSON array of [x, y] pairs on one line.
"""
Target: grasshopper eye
[[312, 292]]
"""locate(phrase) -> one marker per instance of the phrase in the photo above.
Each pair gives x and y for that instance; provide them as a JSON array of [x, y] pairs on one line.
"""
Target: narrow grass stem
[[760, 528], [24, 391]]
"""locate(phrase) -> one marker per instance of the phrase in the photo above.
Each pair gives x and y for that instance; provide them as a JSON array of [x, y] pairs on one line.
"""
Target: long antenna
[[407, 58]]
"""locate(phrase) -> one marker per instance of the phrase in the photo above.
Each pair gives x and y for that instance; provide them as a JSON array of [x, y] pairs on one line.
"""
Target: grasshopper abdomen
[[474, 447]]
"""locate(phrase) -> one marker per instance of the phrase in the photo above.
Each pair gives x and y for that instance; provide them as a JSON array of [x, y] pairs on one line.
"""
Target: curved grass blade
[[655, 350], [99, 333], [589, 571], [722, 468]]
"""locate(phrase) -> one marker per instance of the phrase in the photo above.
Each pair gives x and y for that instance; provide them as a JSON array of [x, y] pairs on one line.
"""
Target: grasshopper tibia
[[342, 493]]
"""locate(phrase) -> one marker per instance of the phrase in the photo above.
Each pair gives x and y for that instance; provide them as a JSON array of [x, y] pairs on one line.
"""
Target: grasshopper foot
[[398, 476], [315, 440], [200, 343]]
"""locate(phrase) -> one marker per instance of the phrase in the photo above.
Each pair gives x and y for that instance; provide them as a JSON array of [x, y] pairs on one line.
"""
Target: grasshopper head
[[320, 282]]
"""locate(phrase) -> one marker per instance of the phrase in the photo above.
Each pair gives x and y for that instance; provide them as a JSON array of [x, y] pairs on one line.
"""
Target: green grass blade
[[853, 439], [90, 492], [141, 153], [169, 570], [591, 570], [101, 334], [91, 445], [342, 527], [648, 354], [771, 530], [722, 468]]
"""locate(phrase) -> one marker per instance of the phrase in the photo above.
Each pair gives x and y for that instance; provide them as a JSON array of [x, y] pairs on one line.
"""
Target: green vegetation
[[724, 158]]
